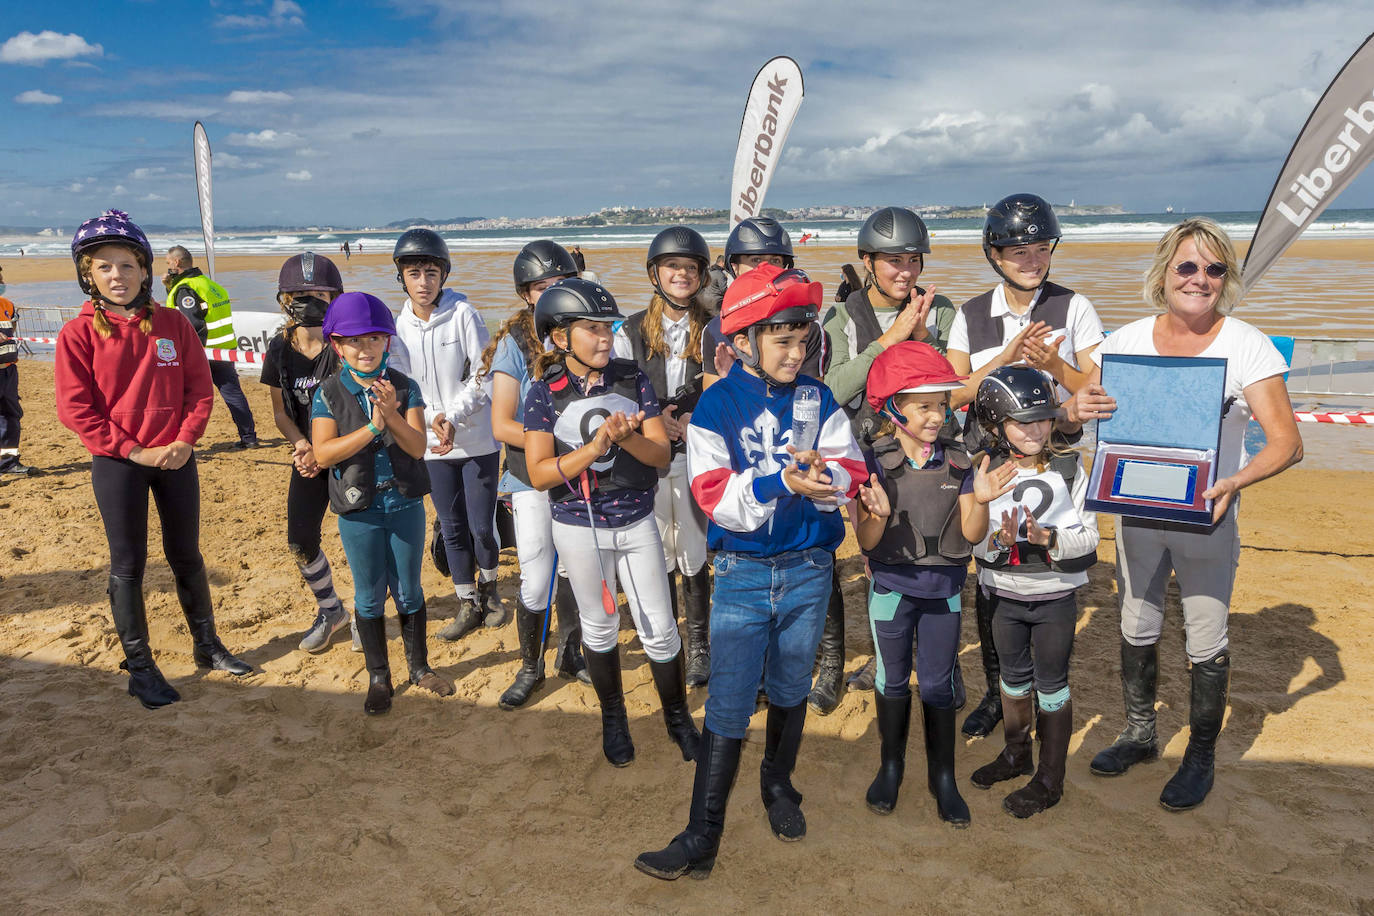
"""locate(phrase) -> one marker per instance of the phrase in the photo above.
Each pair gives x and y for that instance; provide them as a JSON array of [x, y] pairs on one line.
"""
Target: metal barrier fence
[[41, 321], [1325, 367]]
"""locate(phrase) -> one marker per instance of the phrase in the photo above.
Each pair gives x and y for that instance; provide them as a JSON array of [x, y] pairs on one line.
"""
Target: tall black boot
[[1047, 785], [829, 686], [1190, 785], [780, 798], [604, 669], [693, 852], [1015, 758], [413, 631], [988, 712], [529, 625], [372, 634], [1139, 682], [894, 727], [193, 591], [670, 681], [146, 683], [696, 597], [568, 660], [939, 727]]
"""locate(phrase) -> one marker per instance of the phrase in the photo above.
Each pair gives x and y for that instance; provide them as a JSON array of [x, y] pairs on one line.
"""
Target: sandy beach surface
[[276, 794]]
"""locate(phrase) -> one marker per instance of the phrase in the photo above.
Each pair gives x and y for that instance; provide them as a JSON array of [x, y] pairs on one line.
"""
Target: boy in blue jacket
[[772, 503]]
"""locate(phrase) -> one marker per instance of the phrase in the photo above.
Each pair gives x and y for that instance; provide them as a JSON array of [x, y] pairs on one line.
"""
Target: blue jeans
[[226, 379], [764, 606], [385, 545]]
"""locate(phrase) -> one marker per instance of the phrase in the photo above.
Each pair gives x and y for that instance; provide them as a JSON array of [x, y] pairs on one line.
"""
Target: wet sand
[[276, 794]]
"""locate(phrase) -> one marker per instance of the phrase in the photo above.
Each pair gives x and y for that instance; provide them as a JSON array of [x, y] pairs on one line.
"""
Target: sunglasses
[[1216, 270]]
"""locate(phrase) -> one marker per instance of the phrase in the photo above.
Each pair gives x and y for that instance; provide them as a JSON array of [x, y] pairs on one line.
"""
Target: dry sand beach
[[276, 794]]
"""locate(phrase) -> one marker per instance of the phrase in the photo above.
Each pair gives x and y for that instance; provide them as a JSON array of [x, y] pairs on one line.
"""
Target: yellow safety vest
[[219, 325]]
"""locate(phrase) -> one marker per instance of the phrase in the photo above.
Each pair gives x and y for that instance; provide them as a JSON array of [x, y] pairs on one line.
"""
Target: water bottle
[[806, 417]]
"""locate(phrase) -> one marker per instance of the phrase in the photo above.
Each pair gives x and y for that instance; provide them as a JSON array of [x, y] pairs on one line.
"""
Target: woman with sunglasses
[[1194, 280]]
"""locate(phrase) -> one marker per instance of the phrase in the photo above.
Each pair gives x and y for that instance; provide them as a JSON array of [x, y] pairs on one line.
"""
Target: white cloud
[[284, 14], [37, 97], [265, 139], [151, 198], [120, 189], [28, 48], [230, 161], [309, 153], [257, 97], [302, 175], [142, 174]]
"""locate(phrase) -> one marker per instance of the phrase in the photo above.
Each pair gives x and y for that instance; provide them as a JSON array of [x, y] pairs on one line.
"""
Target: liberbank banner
[[768, 114], [1335, 144]]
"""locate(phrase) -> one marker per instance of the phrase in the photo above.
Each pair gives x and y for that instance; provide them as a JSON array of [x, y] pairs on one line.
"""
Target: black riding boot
[[1047, 785], [894, 727], [604, 668], [829, 686], [1190, 785], [490, 605], [568, 660], [1139, 681], [988, 712], [780, 798], [939, 728], [670, 681], [146, 683], [1015, 758], [372, 634], [413, 631], [696, 598], [193, 591], [693, 852], [529, 625]]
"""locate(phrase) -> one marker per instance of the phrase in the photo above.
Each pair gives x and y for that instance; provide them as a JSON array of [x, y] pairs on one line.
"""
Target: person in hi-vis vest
[[206, 305]]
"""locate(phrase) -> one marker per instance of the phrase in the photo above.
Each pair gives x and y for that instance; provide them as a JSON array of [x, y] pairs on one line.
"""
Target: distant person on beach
[[509, 363], [298, 360], [368, 429], [1028, 320], [665, 341], [206, 305], [347, 251], [444, 336], [849, 281], [10, 411], [134, 384], [1194, 281], [579, 258]]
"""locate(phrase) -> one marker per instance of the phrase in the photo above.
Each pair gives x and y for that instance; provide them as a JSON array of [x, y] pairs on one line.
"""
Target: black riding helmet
[[758, 235], [1021, 219], [681, 242], [542, 260], [894, 230], [1009, 393], [421, 245], [570, 299]]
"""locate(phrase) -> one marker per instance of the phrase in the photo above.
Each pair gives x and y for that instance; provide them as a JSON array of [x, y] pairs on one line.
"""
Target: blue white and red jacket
[[736, 450]]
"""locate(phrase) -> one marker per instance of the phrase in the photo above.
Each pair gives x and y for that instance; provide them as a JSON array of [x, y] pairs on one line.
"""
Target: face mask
[[308, 311], [381, 367]]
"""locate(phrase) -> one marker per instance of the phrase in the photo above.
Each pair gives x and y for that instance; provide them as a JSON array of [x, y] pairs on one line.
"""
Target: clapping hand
[[814, 481], [988, 485], [874, 498]]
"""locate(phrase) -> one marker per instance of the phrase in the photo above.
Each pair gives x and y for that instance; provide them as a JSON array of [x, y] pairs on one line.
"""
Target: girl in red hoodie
[[133, 383]]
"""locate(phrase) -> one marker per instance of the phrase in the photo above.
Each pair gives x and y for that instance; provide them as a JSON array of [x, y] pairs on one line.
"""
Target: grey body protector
[[655, 366], [926, 526]]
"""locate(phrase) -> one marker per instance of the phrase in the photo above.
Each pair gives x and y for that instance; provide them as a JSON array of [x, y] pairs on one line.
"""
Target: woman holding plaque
[[1195, 281]]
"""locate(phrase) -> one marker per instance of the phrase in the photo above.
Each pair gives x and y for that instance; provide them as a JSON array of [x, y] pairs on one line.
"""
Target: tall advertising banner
[[768, 114], [207, 202], [1335, 144]]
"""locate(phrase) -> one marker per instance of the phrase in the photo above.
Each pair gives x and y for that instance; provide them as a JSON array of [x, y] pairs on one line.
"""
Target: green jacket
[[206, 305], [854, 341]]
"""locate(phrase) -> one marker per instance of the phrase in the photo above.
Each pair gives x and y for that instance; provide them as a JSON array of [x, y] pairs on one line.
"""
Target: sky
[[353, 114]]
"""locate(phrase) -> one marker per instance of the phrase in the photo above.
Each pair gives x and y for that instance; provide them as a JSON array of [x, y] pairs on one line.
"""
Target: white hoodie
[[443, 355]]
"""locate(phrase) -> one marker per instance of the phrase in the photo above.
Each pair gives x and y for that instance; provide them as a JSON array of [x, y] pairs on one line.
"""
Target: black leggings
[[1034, 642], [121, 493], [464, 494], [307, 500]]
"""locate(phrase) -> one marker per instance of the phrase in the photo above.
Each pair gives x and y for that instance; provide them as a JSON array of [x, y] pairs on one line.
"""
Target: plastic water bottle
[[806, 417]]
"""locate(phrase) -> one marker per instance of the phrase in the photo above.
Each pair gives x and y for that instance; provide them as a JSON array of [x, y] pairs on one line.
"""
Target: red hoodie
[[132, 389]]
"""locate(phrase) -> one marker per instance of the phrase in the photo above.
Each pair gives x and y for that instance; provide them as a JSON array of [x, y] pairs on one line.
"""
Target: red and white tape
[[1365, 417], [223, 356]]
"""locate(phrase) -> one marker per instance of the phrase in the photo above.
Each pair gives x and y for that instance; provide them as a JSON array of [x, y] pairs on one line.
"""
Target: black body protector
[[926, 526], [353, 481], [580, 416]]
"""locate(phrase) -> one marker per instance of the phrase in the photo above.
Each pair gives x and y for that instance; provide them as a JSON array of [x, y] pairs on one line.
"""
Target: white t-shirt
[[1083, 330], [1250, 357], [675, 334]]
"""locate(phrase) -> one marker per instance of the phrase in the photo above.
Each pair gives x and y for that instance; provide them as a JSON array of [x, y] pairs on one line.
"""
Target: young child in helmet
[[368, 430], [509, 363], [919, 515], [444, 338], [297, 361], [133, 383], [594, 440], [1029, 572], [774, 523], [665, 341]]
